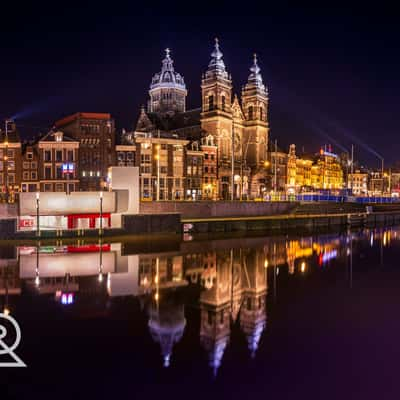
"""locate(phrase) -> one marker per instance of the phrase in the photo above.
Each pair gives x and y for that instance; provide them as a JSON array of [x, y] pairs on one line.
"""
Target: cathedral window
[[261, 113], [250, 111], [210, 102], [223, 103]]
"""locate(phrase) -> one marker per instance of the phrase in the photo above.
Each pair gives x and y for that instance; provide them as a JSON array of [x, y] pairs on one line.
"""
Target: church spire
[[255, 80], [216, 64], [167, 62]]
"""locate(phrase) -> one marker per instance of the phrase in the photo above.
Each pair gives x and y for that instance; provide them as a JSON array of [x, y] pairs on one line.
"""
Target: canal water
[[279, 317]]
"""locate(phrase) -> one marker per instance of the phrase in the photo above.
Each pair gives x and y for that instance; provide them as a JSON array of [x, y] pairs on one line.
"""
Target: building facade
[[232, 134], [30, 168], [10, 162], [326, 171], [95, 133], [58, 163], [194, 171], [358, 182]]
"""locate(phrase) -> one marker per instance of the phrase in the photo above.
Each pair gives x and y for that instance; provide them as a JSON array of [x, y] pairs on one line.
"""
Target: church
[[236, 128]]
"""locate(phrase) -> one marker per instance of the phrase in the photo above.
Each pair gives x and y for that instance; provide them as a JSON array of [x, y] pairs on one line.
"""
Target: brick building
[[10, 162], [30, 168], [95, 133], [58, 163]]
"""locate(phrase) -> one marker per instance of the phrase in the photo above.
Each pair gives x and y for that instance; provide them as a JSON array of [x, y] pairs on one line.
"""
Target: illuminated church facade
[[237, 129]]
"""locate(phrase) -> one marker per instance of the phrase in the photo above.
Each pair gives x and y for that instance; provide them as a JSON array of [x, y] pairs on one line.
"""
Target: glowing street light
[[303, 267], [101, 212], [157, 157]]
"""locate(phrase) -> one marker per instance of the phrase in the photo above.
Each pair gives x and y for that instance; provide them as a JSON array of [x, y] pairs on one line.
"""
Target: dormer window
[[58, 136]]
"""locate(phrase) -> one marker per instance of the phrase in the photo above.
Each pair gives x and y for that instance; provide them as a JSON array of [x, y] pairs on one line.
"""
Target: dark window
[[47, 172], [47, 155], [248, 303], [58, 172], [59, 155], [261, 113], [210, 103], [223, 103], [250, 112]]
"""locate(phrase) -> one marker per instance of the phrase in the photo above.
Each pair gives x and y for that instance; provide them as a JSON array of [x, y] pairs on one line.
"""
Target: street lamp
[[37, 213], [100, 277], [5, 166], [101, 212], [157, 157]]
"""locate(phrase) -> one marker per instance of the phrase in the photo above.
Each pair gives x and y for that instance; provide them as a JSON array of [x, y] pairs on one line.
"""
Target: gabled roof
[[82, 115], [51, 137]]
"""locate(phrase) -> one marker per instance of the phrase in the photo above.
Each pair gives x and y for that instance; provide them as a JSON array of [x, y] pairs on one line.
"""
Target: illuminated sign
[[26, 222], [67, 298], [326, 256], [68, 168]]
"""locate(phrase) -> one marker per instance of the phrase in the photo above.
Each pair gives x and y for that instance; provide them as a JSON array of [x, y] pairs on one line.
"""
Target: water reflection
[[226, 281]]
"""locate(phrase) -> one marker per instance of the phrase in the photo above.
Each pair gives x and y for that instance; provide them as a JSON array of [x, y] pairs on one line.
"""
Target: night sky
[[332, 74]]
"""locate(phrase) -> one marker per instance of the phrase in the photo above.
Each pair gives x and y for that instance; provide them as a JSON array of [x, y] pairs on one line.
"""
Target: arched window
[[210, 102], [223, 103], [250, 110], [261, 113]]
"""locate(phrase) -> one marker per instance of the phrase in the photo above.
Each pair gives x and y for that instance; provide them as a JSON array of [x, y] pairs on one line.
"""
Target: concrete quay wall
[[291, 223], [131, 225], [209, 209]]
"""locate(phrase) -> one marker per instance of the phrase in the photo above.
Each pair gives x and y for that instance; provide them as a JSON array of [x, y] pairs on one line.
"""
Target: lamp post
[[275, 160], [5, 157], [157, 157], [233, 162], [100, 277], [37, 278], [352, 169], [37, 214], [101, 213]]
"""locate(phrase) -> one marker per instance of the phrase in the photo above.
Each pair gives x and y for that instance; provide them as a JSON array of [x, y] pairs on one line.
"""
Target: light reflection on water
[[228, 282]]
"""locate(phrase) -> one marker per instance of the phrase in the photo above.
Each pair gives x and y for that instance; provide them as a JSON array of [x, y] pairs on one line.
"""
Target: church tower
[[255, 109], [167, 90], [216, 91], [216, 117]]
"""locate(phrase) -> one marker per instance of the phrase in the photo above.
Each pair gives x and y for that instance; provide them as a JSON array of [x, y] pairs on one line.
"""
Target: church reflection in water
[[225, 281]]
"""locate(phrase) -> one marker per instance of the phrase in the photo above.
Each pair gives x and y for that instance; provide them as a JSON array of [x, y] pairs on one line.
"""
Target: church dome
[[167, 77]]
